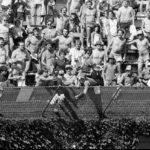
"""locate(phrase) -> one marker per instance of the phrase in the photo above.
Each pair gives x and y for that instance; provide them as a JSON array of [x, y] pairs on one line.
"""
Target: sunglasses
[[48, 24]]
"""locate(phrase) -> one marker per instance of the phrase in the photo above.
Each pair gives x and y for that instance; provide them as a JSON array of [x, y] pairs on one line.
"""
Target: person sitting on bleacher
[[69, 78], [43, 78], [145, 75], [16, 77], [4, 73], [127, 78], [143, 49]]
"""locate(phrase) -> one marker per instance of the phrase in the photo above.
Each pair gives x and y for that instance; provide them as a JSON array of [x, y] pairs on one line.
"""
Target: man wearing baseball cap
[[69, 78], [127, 78]]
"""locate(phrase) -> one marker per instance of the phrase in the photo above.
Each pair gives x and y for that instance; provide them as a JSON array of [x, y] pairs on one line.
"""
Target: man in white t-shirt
[[125, 15], [76, 55]]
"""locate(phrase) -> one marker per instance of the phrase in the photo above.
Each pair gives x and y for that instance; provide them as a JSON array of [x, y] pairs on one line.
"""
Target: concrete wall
[[30, 102]]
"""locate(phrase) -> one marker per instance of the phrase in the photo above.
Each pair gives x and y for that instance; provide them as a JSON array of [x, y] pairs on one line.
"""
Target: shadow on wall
[[89, 107]]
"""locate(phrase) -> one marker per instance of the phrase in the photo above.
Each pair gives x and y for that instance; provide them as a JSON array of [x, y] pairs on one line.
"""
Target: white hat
[[148, 64], [128, 68], [140, 32], [68, 67], [148, 84]]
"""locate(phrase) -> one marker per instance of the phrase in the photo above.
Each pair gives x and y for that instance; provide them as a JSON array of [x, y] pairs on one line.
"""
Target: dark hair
[[17, 20], [97, 25], [122, 30], [110, 11], [89, 1], [36, 29], [63, 8], [61, 52], [2, 39]]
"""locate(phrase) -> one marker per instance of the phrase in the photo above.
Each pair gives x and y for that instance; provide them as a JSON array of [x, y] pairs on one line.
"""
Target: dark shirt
[[96, 75], [60, 64]]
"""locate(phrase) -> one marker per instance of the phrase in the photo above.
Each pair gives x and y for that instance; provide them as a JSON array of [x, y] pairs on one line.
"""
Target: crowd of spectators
[[85, 43]]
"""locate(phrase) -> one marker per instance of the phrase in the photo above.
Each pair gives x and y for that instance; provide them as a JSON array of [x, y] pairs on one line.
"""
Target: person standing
[[116, 48], [125, 15], [89, 19]]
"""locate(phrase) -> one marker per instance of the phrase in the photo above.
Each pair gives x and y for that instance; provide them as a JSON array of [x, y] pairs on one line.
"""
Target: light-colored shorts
[[143, 59], [117, 57]]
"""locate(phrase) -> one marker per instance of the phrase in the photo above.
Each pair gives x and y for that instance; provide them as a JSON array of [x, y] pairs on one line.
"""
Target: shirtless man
[[48, 58], [98, 54], [143, 48], [3, 53], [32, 46], [116, 48], [65, 40], [20, 55], [5, 34], [62, 21], [32, 42], [89, 19], [74, 6]]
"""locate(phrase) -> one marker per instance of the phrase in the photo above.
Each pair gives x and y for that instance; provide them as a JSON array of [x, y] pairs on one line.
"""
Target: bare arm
[[132, 42], [109, 46], [97, 17], [133, 15], [43, 59], [143, 25], [83, 20], [55, 39], [68, 6], [27, 42], [118, 16], [148, 43], [13, 57]]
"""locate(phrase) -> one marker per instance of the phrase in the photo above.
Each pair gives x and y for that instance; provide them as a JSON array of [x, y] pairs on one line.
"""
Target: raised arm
[[55, 39], [68, 6]]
